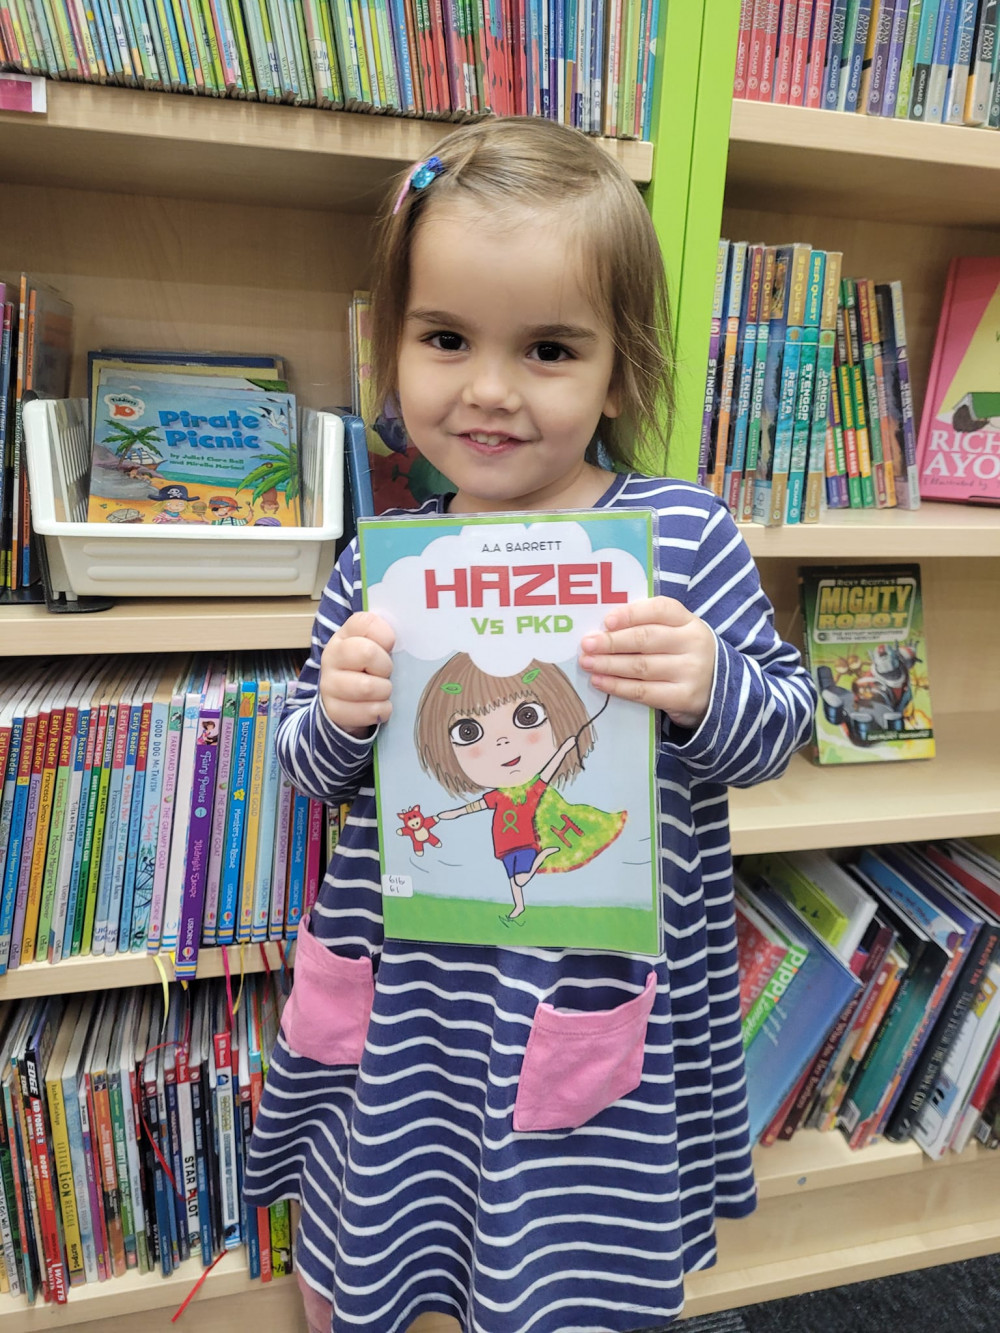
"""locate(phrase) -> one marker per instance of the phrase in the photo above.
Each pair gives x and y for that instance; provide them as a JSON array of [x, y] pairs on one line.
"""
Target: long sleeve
[[320, 759], [763, 698]]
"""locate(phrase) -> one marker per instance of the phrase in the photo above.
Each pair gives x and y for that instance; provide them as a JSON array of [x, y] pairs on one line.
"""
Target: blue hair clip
[[421, 175]]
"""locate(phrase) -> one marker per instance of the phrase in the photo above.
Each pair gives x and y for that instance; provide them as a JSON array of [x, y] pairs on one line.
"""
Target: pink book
[[817, 52], [314, 842], [800, 54], [743, 49], [959, 444], [785, 49], [769, 50], [755, 59]]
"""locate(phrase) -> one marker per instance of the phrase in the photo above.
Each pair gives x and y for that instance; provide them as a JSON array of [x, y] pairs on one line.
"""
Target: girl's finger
[[649, 611], [639, 639], [356, 686], [358, 654], [367, 625], [631, 666]]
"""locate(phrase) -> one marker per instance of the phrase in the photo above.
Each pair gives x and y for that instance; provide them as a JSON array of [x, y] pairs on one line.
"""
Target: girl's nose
[[491, 388]]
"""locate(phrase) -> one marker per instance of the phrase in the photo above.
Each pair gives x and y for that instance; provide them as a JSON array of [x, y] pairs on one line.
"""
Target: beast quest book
[[866, 649], [516, 801]]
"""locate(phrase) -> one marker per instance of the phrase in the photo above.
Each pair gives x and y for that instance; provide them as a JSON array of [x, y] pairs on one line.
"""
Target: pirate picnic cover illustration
[[185, 449], [516, 801]]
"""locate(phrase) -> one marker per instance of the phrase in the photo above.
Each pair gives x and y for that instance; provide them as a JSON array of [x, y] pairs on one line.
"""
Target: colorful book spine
[[945, 37], [124, 916], [803, 417], [876, 60], [785, 50], [816, 466], [977, 97], [845, 385], [168, 793], [862, 338], [837, 494], [213, 881], [961, 62], [743, 48], [255, 789], [894, 64], [298, 838], [908, 60], [830, 93], [149, 824], [729, 347], [776, 485], [236, 814], [871, 488], [711, 377], [754, 427], [199, 833], [314, 852], [734, 476], [268, 816]]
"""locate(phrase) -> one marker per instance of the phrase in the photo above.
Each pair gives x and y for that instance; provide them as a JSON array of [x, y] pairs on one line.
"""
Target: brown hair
[[540, 164], [461, 689]]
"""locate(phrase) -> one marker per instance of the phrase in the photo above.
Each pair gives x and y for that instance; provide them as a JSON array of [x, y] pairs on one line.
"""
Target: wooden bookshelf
[[171, 145], [849, 167], [159, 625], [930, 532], [955, 794], [133, 969]]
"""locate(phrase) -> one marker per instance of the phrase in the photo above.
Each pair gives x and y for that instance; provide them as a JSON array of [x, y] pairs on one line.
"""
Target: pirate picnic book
[[183, 449], [516, 801], [866, 649]]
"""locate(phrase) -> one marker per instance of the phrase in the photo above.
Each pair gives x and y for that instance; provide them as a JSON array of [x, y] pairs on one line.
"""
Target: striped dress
[[388, 1109]]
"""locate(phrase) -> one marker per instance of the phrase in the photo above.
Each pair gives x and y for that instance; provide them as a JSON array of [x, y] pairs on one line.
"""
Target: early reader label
[[397, 886]]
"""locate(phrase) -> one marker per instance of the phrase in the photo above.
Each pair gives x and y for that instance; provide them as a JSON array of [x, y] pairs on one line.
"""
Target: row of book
[[123, 1127], [35, 351], [807, 395], [928, 60], [870, 990], [587, 63], [143, 808]]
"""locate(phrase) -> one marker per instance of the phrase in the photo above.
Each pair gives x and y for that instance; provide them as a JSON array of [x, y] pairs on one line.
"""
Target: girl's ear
[[612, 403]]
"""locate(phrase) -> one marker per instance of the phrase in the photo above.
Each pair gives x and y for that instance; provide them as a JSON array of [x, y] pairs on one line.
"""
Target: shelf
[[143, 1293], [872, 534], [160, 625], [830, 163], [168, 144], [954, 795], [127, 969]]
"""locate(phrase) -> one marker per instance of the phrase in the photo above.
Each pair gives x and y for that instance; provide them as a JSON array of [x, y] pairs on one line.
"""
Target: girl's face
[[505, 747], [504, 365], [175, 506]]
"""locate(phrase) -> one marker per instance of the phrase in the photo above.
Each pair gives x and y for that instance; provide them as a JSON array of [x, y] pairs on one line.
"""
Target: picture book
[[866, 649], [516, 801], [959, 442], [178, 449]]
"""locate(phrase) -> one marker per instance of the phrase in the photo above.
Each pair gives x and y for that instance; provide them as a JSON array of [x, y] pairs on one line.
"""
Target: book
[[215, 451], [865, 646], [899, 394], [798, 1024], [959, 442], [832, 902], [488, 613], [805, 387], [759, 950], [781, 978]]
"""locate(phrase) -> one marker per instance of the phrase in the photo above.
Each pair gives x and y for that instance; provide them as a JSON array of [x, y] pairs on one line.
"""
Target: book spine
[[198, 839], [944, 50], [734, 473], [226, 1131], [961, 62], [93, 1182], [63, 1165], [850, 90], [834, 55], [785, 50], [769, 49], [894, 64], [875, 65], [102, 777], [815, 78], [730, 343], [743, 48], [236, 816], [125, 913], [314, 845], [860, 312], [168, 792], [117, 1112], [223, 773], [908, 60], [43, 815], [977, 98], [755, 54], [910, 491], [51, 1225], [712, 373]]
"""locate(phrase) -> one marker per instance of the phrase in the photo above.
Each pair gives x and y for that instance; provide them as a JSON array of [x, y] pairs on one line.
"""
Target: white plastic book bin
[[183, 561]]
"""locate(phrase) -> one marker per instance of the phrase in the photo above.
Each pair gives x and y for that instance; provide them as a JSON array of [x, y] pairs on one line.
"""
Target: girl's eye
[[530, 715], [466, 731], [552, 352], [445, 341]]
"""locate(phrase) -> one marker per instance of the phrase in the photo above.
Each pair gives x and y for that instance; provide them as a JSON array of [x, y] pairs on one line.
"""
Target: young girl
[[527, 1140]]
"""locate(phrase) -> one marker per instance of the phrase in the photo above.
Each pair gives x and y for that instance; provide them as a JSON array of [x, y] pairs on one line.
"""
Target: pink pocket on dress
[[327, 1014], [576, 1064]]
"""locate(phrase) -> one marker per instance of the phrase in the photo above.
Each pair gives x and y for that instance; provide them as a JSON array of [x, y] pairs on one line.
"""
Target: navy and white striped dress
[[417, 1193]]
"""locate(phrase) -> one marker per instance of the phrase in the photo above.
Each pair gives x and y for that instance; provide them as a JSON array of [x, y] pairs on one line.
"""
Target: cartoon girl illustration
[[514, 739]]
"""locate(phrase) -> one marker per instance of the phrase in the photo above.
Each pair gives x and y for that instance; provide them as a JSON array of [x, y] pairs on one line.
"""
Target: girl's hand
[[657, 653], [354, 674]]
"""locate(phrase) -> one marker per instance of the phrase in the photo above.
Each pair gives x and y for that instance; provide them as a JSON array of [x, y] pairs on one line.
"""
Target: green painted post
[[697, 46]]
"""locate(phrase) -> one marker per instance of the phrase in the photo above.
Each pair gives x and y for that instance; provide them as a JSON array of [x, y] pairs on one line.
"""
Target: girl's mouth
[[482, 443], [511, 763]]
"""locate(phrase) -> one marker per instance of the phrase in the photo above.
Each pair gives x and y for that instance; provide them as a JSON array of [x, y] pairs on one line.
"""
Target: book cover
[[959, 442], [759, 950], [799, 1023], [493, 717], [865, 646], [192, 449]]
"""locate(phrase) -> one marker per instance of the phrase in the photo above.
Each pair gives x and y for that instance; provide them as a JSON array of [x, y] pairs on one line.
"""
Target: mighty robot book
[[866, 649], [516, 801]]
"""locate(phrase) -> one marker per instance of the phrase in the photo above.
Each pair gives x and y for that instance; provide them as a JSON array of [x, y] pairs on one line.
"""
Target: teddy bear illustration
[[417, 827]]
